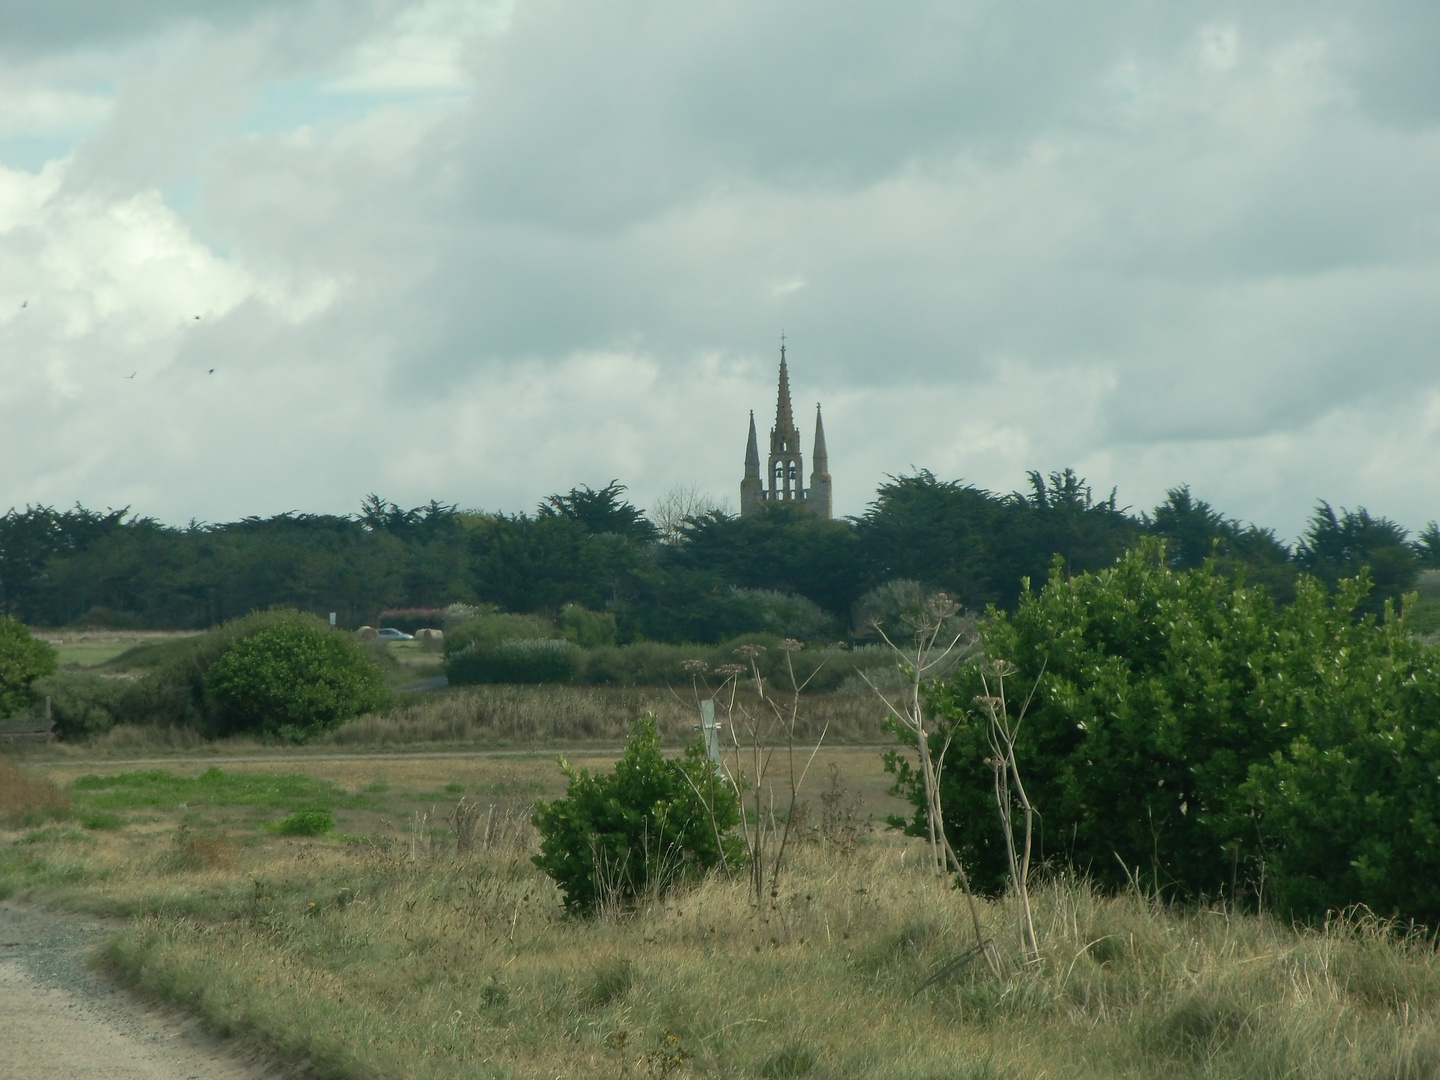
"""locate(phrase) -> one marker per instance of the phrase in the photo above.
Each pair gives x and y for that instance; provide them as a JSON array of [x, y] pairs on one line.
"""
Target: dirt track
[[60, 1021]]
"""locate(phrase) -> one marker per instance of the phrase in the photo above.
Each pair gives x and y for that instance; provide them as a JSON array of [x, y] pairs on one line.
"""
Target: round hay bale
[[367, 633]]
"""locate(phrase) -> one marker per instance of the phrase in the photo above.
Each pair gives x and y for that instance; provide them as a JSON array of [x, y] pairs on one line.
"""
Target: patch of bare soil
[[61, 1021]]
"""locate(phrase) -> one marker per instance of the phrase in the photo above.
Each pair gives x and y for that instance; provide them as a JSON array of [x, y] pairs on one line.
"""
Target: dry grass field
[[379, 949], [493, 717]]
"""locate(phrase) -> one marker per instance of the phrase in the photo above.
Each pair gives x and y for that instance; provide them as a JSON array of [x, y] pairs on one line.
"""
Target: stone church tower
[[786, 469]]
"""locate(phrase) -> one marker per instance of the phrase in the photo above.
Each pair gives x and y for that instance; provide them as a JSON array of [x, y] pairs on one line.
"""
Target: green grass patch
[[100, 819], [21, 867], [165, 790], [305, 823], [149, 655], [84, 654]]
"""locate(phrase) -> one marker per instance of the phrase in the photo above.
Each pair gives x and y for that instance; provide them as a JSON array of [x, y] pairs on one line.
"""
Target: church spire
[[784, 415], [819, 496], [783, 480]]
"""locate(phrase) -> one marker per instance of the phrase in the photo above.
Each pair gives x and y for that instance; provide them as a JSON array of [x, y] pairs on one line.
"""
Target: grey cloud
[[29, 28], [931, 195]]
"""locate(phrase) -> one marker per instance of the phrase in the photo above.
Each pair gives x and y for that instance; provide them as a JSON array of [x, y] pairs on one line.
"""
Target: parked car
[[389, 633]]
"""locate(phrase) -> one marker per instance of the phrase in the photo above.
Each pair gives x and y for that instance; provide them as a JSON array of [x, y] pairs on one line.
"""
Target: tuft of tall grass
[[130, 737], [27, 799]]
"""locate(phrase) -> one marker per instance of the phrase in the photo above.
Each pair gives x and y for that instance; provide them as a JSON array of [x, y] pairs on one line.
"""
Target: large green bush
[[1187, 733], [533, 660], [293, 681], [22, 660], [85, 704], [172, 692], [652, 663], [650, 823], [489, 627], [586, 628], [1349, 806]]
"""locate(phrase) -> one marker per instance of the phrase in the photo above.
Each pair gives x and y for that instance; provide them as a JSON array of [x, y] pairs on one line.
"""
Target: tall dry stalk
[[758, 729], [936, 645], [1010, 790]]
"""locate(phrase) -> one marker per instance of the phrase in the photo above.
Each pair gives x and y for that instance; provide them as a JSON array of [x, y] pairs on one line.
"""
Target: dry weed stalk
[[936, 645], [1010, 789], [757, 731], [463, 819]]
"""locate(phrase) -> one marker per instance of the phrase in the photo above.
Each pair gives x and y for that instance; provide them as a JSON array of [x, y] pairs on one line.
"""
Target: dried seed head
[[791, 645], [729, 669], [1002, 667], [989, 701], [750, 650], [941, 606], [694, 666]]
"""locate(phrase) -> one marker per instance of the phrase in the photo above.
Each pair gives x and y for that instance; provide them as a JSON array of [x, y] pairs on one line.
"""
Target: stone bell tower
[[784, 478]]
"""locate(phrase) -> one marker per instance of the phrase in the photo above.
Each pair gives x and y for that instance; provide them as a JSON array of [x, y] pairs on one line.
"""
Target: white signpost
[[711, 730]]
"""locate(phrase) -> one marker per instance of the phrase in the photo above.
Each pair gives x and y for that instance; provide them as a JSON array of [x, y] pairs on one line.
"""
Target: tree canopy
[[699, 582]]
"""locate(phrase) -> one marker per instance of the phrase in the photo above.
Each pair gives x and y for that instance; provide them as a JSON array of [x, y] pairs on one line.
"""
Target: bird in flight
[[197, 318], [25, 304], [212, 371], [132, 374]]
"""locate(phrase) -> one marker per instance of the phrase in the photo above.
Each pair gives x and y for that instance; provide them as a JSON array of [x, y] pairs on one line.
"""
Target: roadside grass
[[379, 959], [382, 950]]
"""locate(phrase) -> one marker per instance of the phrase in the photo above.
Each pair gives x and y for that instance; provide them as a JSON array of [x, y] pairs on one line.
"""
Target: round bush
[[293, 681], [305, 823], [651, 823]]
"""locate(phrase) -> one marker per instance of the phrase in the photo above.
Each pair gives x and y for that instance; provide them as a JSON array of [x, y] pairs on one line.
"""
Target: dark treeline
[[593, 548]]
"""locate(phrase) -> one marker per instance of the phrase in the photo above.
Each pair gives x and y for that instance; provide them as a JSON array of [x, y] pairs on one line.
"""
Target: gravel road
[[60, 1021]]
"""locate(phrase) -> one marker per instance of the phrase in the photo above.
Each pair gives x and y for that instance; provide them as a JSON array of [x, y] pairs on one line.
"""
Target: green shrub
[[788, 615], [542, 660], [649, 663], [490, 628], [645, 663], [22, 661], [305, 823], [647, 825], [1185, 726], [173, 690], [293, 681], [588, 629], [84, 704]]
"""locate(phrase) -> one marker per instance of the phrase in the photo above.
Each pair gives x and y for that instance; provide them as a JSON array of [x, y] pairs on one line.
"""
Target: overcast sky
[[481, 252]]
